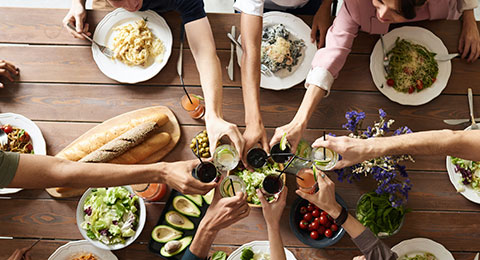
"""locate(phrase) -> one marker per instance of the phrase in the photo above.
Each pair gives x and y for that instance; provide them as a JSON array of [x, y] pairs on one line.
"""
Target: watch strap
[[342, 217]]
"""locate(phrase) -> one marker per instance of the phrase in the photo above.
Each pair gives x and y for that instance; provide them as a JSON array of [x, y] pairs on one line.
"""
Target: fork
[[470, 105], [3, 138], [105, 50], [386, 61], [263, 69]]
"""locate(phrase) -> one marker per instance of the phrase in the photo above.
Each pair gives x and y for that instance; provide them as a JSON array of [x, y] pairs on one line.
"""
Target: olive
[[192, 146], [205, 155], [207, 149]]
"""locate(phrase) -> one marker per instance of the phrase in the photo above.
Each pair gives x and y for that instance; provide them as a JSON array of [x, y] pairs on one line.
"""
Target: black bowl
[[304, 235]]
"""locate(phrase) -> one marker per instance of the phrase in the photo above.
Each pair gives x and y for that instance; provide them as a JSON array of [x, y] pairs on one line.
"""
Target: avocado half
[[196, 198], [163, 234], [178, 220], [209, 196], [184, 243], [186, 206]]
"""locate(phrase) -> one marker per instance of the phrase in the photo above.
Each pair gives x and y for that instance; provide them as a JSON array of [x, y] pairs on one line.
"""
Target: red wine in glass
[[205, 172], [280, 158], [257, 157], [272, 185]]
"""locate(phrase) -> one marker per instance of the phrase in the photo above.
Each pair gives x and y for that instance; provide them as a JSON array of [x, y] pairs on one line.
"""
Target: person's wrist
[[207, 228], [335, 210], [468, 17]]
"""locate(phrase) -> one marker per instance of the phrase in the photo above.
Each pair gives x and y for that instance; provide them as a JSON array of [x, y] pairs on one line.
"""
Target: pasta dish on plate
[[134, 44], [18, 140]]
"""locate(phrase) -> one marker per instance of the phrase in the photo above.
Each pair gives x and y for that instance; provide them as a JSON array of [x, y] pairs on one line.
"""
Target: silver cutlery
[[476, 256], [180, 55], [458, 121], [3, 138], [446, 57], [105, 50], [470, 105], [263, 69], [386, 61], [230, 67]]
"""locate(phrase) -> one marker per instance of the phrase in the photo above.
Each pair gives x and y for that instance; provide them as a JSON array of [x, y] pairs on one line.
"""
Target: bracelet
[[342, 217]]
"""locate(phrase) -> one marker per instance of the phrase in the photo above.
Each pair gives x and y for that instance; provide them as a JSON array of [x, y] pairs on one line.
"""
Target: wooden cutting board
[[172, 127]]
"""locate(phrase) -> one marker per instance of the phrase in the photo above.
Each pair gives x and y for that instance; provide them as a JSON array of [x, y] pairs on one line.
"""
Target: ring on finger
[[322, 175]]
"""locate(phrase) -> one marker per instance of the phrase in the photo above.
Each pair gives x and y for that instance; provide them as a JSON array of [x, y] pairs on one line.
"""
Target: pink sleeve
[[338, 42]]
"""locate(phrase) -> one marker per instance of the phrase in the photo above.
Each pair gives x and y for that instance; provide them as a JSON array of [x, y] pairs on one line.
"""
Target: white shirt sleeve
[[463, 5], [253, 7], [320, 77]]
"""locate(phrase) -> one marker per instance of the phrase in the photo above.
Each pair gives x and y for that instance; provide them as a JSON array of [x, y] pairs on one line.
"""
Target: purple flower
[[382, 113]]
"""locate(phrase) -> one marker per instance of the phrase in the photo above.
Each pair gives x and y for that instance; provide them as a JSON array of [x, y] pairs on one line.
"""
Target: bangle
[[342, 217]]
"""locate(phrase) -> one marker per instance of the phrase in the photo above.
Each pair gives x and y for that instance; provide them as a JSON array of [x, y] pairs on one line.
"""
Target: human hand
[[8, 70], [253, 135], [76, 16], [272, 212], [178, 175], [20, 254], [294, 134], [325, 196], [352, 150], [217, 128], [469, 42], [360, 257], [321, 22]]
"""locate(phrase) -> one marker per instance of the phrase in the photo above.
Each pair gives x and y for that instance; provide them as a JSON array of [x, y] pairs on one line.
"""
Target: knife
[[476, 256], [232, 50], [457, 121]]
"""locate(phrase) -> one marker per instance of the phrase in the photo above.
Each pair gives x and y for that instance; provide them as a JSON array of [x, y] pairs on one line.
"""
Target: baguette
[[92, 143], [143, 150], [121, 144]]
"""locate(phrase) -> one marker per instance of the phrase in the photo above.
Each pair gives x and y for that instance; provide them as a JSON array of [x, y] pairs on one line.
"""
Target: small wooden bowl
[[280, 167]]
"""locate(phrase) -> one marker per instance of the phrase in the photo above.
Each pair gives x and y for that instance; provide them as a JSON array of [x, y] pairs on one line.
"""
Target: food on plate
[[254, 180], [412, 67], [186, 206], [163, 234], [377, 213], [203, 145], [18, 140], [424, 256], [85, 256], [175, 247], [248, 254], [469, 170], [279, 50], [209, 196], [316, 222], [219, 255], [196, 198], [135, 43], [111, 215], [178, 220]]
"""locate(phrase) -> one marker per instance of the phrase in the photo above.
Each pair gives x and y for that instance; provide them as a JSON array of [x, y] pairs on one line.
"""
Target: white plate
[[73, 248], [416, 35], [80, 218], [415, 246], [284, 79], [39, 146], [456, 180], [257, 247], [116, 69]]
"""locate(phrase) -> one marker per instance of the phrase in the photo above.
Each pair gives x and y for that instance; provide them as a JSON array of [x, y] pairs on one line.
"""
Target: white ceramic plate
[[80, 218], [116, 69], [416, 35], [416, 246], [75, 248], [257, 247], [283, 79], [39, 146], [456, 180]]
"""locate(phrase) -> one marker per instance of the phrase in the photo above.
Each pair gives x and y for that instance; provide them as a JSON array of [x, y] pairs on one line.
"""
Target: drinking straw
[[288, 164], [290, 154], [233, 188], [324, 139], [196, 153]]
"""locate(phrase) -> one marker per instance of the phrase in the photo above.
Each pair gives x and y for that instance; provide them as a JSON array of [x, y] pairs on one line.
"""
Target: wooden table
[[62, 90]]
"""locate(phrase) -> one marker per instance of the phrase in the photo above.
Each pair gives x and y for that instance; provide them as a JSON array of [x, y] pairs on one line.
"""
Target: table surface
[[64, 93]]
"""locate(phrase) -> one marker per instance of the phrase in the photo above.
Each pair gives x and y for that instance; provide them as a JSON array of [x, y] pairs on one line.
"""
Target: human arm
[[440, 142], [76, 16], [469, 42], [202, 45], [222, 213], [8, 70], [365, 240], [272, 212], [321, 21], [21, 254]]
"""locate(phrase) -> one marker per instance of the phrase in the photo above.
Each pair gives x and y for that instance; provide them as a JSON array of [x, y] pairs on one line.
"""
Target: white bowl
[[81, 215]]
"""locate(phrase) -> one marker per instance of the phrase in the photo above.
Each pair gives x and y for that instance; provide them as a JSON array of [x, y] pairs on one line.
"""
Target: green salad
[[248, 254], [424, 256], [111, 215], [254, 180], [412, 67], [376, 212], [470, 171]]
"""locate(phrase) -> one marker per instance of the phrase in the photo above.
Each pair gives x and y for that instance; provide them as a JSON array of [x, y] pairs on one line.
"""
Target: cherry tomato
[[434, 79], [323, 213], [7, 128], [303, 210], [30, 147], [315, 225], [334, 227], [317, 220], [25, 138], [323, 220], [303, 224], [390, 82], [328, 233], [308, 216], [310, 207], [411, 89], [321, 230], [314, 235], [310, 227], [316, 213], [329, 217], [328, 224], [419, 84]]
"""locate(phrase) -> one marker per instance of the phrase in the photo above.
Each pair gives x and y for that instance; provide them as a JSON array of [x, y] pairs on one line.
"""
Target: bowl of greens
[[111, 218], [377, 213]]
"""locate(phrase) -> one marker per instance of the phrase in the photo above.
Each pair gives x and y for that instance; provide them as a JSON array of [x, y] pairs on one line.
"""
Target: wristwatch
[[342, 217]]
